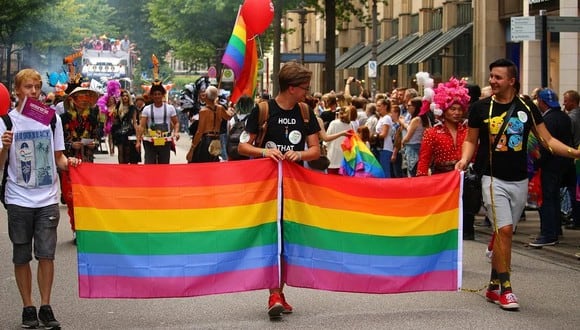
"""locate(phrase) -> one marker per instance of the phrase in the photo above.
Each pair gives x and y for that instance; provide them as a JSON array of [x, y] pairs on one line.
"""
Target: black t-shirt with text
[[509, 159], [286, 129]]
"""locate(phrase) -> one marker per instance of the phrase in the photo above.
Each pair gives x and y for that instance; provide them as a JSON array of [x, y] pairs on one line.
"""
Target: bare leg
[[502, 250], [45, 278], [23, 276]]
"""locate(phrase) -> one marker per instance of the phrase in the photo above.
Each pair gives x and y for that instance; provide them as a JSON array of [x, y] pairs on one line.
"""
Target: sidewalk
[[528, 230]]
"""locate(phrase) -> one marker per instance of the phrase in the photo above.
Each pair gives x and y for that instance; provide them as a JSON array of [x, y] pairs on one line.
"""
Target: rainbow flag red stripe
[[369, 235], [172, 231]]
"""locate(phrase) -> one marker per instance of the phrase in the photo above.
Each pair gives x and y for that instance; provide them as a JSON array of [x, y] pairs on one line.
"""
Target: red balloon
[[4, 100], [258, 15]]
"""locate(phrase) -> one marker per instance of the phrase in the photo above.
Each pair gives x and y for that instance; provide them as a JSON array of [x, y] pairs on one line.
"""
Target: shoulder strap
[[305, 111], [504, 124], [263, 114], [164, 113], [8, 121]]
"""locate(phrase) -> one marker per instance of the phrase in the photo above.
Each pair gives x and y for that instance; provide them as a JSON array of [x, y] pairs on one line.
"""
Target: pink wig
[[451, 92]]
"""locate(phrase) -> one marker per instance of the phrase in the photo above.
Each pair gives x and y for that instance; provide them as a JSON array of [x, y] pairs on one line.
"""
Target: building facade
[[443, 37]]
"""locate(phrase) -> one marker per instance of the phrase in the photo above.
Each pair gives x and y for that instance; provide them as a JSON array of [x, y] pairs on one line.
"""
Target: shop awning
[[383, 46], [350, 52], [442, 41], [355, 57], [393, 50], [413, 48]]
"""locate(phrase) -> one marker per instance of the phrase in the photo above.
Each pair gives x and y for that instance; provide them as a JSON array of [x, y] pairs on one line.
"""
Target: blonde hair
[[25, 74]]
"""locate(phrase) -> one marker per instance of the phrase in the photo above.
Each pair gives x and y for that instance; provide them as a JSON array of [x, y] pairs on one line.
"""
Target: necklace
[[286, 131]]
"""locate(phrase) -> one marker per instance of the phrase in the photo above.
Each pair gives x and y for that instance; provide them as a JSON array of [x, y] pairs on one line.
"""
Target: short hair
[[573, 95], [293, 74], [24, 74], [411, 93], [330, 99], [211, 92], [512, 70], [245, 104]]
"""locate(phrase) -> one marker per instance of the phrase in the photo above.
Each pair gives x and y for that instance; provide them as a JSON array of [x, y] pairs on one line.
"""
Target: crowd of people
[[408, 133]]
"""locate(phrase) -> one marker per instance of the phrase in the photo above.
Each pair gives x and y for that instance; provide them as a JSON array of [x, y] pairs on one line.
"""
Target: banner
[[199, 229]]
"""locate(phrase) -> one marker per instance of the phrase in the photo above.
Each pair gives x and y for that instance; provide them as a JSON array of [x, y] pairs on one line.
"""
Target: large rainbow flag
[[371, 235], [199, 229], [175, 230]]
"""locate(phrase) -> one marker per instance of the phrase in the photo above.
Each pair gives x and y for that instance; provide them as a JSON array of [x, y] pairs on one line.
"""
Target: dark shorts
[[27, 225]]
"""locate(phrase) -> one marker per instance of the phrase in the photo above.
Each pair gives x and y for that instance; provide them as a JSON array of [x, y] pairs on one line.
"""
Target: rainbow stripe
[[176, 230], [236, 48], [369, 235], [190, 230], [358, 159]]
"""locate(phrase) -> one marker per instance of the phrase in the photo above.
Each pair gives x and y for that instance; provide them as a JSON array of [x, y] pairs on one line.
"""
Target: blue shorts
[[27, 225]]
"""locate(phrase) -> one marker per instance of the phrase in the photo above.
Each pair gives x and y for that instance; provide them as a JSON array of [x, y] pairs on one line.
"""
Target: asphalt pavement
[[568, 243], [545, 281]]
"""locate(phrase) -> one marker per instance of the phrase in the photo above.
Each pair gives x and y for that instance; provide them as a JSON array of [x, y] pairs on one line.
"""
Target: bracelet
[[569, 151], [264, 153], [299, 155]]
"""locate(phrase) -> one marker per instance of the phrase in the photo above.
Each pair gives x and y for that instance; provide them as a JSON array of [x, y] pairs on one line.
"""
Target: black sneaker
[[29, 318], [46, 316], [543, 241]]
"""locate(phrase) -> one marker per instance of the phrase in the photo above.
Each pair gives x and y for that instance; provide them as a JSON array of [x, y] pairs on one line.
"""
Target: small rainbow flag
[[370, 235], [358, 160], [236, 48], [175, 231], [247, 81]]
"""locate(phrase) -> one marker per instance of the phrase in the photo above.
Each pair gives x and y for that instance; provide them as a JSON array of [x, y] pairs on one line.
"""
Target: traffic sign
[[372, 69], [563, 24], [227, 75], [525, 28], [212, 72]]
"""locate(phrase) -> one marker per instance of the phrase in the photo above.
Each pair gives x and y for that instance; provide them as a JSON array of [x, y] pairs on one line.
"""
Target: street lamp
[[302, 20]]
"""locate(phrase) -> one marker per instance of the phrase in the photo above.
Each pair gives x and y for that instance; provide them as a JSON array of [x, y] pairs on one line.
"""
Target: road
[[546, 284]]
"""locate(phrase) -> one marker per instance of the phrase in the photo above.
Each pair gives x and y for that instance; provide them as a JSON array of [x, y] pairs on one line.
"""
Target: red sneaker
[[508, 301], [492, 296], [275, 307], [287, 307]]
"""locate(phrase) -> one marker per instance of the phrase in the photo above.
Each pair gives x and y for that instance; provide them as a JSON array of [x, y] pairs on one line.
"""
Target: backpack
[[8, 123], [263, 115], [234, 138]]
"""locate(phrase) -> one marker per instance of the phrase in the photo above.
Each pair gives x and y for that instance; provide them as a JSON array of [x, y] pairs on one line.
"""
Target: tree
[[132, 19], [194, 29], [16, 16]]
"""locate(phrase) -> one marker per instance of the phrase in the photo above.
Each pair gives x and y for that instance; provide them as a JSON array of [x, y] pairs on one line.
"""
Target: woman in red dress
[[441, 144]]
